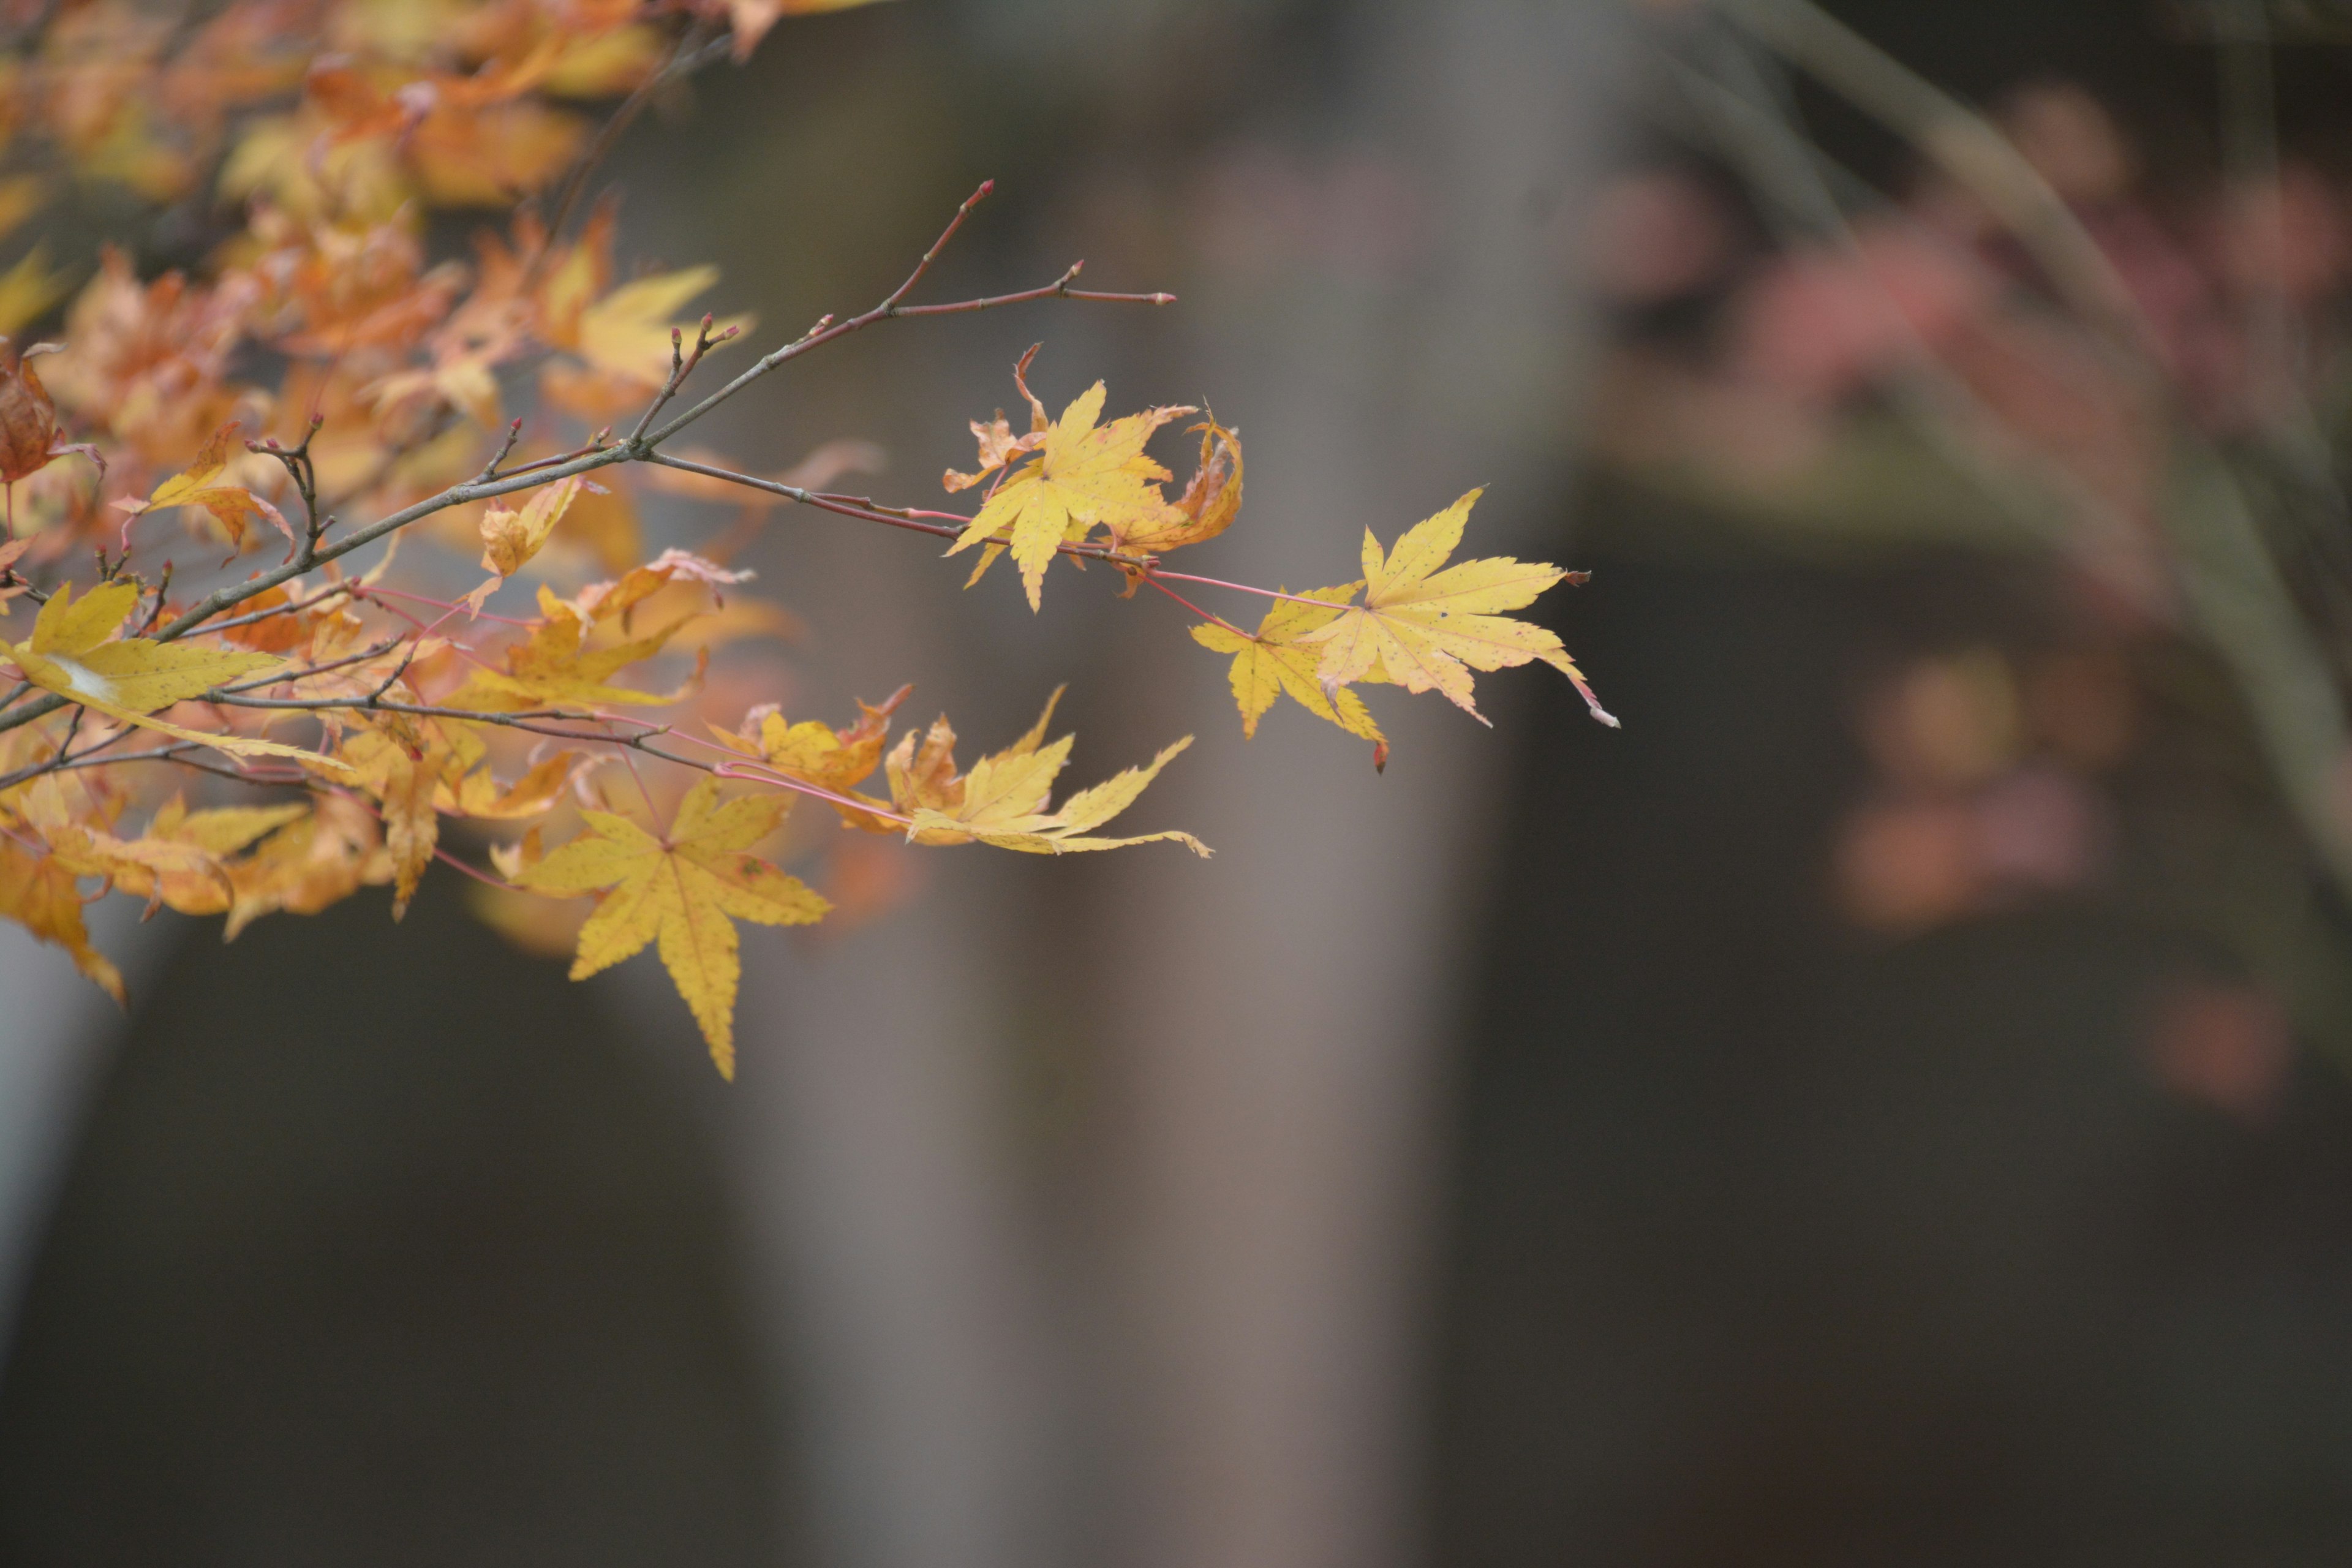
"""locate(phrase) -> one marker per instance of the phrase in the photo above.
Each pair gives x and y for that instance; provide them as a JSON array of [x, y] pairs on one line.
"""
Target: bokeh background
[[1886, 1105]]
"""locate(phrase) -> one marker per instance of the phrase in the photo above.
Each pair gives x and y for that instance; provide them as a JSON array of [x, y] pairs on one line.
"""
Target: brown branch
[[891, 308]]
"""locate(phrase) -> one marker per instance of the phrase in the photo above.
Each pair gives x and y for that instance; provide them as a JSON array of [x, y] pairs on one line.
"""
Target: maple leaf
[[1002, 800], [1082, 475], [29, 420], [404, 761], [555, 667], [1270, 663], [678, 890], [418, 768], [814, 752], [1211, 502], [510, 538], [616, 599], [144, 865], [129, 679], [1425, 629], [234, 507], [318, 859], [203, 887], [38, 892], [627, 332]]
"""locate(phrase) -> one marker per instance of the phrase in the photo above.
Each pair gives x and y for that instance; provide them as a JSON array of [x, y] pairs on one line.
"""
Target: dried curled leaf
[[1207, 507], [28, 421], [815, 753]]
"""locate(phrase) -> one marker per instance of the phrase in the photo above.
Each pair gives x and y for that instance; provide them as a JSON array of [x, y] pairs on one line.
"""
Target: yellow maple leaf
[[511, 538], [404, 761], [555, 667], [37, 892], [627, 332], [1082, 477], [1002, 800], [1271, 662], [817, 754], [207, 888], [129, 679], [146, 865], [1427, 629], [234, 507], [318, 859], [678, 890]]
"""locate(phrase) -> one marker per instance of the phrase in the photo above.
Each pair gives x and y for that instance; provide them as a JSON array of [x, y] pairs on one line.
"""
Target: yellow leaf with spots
[[679, 890], [1427, 629], [128, 679]]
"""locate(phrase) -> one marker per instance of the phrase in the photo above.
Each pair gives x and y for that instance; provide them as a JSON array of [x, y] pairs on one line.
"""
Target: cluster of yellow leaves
[[680, 888], [238, 861], [1421, 624], [372, 375]]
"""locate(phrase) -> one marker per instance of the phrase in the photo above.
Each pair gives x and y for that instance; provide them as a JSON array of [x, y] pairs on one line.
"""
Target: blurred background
[[1888, 1104]]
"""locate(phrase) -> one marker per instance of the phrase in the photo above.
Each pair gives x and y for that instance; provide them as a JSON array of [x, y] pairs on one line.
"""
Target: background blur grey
[[1519, 1158]]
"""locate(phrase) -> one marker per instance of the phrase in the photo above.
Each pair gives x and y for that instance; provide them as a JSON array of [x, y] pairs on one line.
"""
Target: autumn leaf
[[29, 420], [836, 761], [38, 892], [1271, 662], [1003, 801], [146, 864], [129, 679], [510, 538], [316, 860], [1083, 476], [1207, 507], [403, 761], [681, 890], [1427, 629], [554, 666], [627, 332], [234, 507], [616, 599], [204, 885]]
